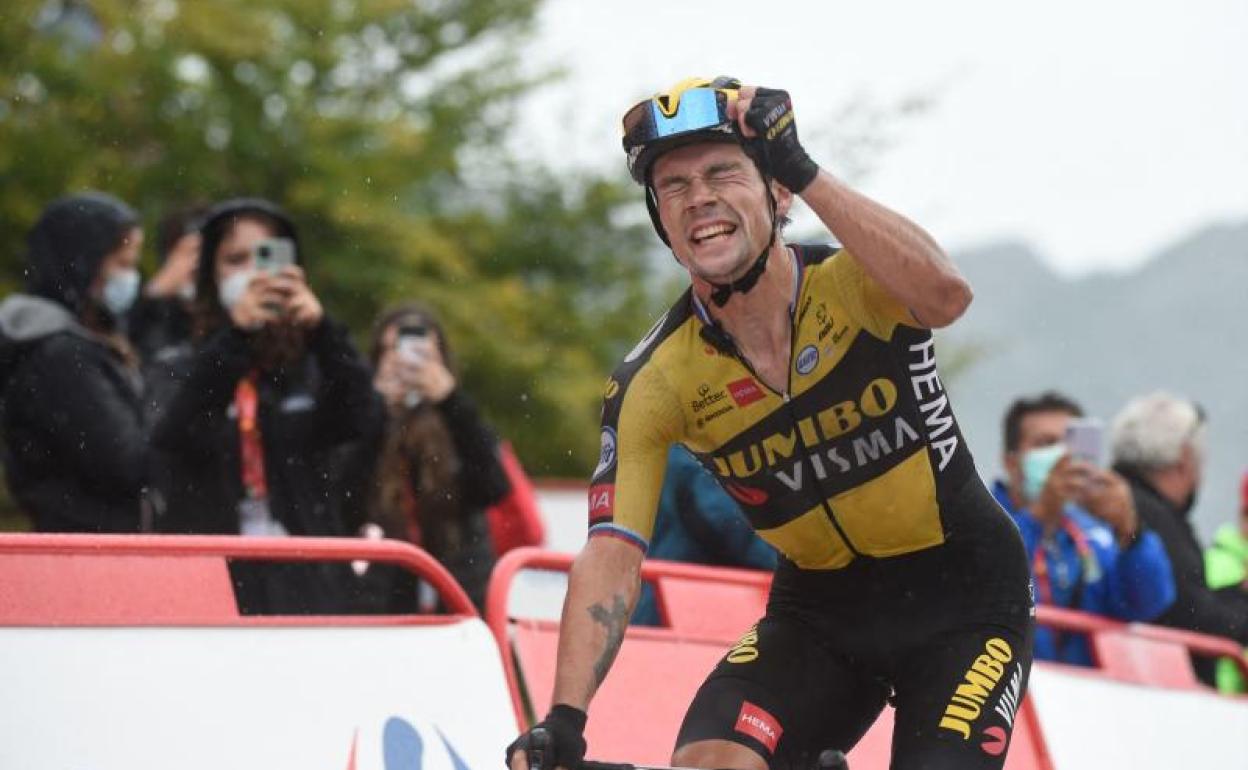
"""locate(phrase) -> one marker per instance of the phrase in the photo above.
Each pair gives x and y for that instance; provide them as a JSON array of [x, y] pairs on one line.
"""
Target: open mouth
[[711, 232]]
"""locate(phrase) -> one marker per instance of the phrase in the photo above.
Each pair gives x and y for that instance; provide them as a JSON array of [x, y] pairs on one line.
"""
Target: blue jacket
[[1134, 584], [698, 523]]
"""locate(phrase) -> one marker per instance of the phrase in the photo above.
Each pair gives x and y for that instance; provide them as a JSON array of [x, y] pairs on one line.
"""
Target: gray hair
[[1151, 431]]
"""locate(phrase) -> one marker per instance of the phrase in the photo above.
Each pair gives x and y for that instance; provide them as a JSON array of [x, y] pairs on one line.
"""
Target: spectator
[[1158, 445], [161, 322], [272, 387], [72, 409], [428, 476], [1226, 568], [698, 523], [1086, 545]]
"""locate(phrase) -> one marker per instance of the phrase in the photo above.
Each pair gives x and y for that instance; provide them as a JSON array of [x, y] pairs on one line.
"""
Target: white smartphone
[[1085, 439], [413, 343]]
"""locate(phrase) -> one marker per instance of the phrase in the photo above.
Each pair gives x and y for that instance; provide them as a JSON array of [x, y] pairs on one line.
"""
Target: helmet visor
[[698, 109]]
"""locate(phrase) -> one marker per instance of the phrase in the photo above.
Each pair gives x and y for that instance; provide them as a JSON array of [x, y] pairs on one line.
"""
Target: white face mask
[[233, 288], [120, 291], [186, 292]]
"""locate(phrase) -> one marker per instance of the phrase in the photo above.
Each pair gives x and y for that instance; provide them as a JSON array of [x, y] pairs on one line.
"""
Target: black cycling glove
[[565, 741], [771, 115]]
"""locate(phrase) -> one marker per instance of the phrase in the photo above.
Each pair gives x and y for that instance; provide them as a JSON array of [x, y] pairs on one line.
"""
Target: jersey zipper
[[817, 485]]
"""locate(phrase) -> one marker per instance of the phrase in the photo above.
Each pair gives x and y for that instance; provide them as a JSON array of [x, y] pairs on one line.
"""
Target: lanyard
[[251, 449], [1089, 573]]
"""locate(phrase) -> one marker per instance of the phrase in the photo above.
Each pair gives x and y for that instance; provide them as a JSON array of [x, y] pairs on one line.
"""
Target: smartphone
[[412, 342], [1085, 439], [273, 254]]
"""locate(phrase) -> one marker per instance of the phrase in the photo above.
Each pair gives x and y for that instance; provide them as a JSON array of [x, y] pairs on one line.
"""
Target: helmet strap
[[652, 206], [722, 292]]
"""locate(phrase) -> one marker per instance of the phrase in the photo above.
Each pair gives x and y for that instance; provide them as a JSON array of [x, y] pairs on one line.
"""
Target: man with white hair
[[1158, 444]]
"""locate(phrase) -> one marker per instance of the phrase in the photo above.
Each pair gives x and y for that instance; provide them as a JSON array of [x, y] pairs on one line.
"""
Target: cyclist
[[805, 379]]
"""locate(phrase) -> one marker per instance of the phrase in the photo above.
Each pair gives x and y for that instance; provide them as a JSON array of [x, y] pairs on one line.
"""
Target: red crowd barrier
[[705, 609], [1136, 652], [152, 580]]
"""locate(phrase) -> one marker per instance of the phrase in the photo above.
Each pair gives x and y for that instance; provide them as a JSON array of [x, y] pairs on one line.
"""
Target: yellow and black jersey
[[862, 455]]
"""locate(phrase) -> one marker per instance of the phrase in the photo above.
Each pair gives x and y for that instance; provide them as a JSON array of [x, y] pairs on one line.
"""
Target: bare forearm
[[894, 251], [602, 590]]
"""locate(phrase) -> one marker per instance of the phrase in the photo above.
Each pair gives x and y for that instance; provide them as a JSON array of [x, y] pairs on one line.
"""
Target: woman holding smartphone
[[272, 388], [429, 474]]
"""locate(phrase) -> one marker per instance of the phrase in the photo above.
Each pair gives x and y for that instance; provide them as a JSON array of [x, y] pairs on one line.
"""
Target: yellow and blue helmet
[[693, 110]]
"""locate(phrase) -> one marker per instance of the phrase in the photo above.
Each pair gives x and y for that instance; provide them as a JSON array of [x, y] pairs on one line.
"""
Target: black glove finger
[[771, 115], [769, 108], [540, 752]]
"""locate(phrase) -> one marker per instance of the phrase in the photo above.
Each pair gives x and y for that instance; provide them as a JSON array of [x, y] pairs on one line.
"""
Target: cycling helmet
[[693, 110]]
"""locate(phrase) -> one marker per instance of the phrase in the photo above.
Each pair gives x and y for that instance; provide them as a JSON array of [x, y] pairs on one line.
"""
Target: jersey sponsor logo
[[801, 314], [646, 341], [613, 389], [706, 398], [746, 648], [979, 681], [1011, 696], [746, 392], [760, 725], [706, 418], [746, 495], [606, 457], [601, 502], [779, 453], [996, 739], [933, 402], [807, 360], [827, 325]]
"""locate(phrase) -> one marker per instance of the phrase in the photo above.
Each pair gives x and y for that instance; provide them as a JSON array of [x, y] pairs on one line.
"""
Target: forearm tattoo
[[614, 620]]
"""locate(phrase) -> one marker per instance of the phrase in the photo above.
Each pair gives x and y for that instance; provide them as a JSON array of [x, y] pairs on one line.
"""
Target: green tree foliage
[[376, 123]]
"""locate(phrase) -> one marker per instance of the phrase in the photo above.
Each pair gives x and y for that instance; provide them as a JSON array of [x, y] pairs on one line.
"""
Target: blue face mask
[[120, 291], [1036, 465]]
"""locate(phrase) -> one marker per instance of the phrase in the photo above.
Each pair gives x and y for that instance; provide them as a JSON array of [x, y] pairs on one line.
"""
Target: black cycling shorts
[[945, 635]]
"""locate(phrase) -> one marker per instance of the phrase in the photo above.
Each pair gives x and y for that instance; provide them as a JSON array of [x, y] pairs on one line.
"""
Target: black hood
[[218, 221], [66, 246]]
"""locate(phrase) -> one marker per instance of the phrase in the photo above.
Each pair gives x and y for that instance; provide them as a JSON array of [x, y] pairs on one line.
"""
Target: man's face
[[713, 205], [1035, 431]]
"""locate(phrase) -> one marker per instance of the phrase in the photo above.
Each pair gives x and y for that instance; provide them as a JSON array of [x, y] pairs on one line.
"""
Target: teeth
[[710, 231]]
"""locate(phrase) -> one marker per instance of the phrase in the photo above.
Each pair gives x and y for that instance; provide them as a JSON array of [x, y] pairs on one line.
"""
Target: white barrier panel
[[389, 698], [565, 512], [1095, 723]]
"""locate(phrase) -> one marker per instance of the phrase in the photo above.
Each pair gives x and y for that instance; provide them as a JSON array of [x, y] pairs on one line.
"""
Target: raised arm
[[895, 252]]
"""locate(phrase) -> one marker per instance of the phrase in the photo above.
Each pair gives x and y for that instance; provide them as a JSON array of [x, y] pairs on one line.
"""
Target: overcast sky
[[1099, 132]]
